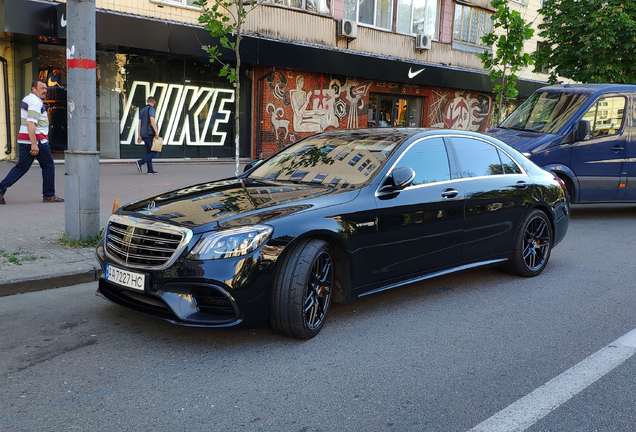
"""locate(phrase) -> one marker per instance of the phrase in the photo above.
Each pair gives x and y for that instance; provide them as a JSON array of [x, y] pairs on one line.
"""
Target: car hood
[[523, 141], [235, 202]]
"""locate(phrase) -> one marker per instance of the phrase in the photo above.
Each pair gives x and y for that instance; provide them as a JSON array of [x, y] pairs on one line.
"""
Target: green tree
[[507, 57], [224, 19], [590, 41]]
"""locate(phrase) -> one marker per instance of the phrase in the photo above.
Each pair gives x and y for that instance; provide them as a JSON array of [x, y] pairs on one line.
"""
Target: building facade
[[307, 66]]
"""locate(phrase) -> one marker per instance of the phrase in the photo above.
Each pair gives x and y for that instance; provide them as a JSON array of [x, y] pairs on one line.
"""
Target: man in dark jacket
[[146, 133]]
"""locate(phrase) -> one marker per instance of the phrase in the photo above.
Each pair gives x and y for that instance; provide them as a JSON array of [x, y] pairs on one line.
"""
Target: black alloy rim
[[318, 295], [536, 243]]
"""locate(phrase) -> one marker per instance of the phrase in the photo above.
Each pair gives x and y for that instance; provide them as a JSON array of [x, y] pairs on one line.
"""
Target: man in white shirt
[[33, 141]]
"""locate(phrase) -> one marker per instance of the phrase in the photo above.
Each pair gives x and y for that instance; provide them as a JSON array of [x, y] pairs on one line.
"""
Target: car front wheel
[[302, 290], [533, 244]]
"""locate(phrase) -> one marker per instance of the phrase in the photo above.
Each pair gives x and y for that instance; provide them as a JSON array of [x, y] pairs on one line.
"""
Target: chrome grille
[[144, 244]]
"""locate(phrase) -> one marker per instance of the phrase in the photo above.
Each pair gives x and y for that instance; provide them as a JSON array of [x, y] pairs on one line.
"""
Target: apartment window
[[183, 3], [544, 69], [418, 17], [322, 7], [378, 13], [470, 24]]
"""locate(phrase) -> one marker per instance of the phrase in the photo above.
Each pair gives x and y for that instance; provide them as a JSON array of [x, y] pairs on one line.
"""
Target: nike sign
[[412, 74]]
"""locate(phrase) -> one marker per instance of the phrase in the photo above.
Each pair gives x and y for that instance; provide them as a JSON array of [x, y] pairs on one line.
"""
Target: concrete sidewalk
[[31, 255]]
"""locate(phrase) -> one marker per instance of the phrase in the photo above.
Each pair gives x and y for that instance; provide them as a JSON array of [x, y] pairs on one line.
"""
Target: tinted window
[[477, 158], [429, 160], [509, 166], [606, 116]]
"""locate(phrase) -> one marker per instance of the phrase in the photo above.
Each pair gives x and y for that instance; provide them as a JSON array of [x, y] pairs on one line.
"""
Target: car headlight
[[230, 243]]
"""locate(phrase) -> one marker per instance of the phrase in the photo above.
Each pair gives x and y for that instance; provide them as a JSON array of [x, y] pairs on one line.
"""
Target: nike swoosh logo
[[412, 74], [63, 21]]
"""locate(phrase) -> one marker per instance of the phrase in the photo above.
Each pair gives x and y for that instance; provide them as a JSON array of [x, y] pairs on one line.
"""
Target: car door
[[420, 227], [497, 193], [598, 161]]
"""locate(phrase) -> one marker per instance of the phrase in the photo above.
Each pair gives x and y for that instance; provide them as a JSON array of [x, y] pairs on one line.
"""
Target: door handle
[[449, 193], [521, 185], [617, 148]]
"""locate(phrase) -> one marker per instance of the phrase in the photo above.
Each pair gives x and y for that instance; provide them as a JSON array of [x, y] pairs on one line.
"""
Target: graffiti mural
[[460, 109], [298, 104]]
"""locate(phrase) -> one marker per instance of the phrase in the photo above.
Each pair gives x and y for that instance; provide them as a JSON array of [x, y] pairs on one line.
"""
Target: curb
[[21, 286]]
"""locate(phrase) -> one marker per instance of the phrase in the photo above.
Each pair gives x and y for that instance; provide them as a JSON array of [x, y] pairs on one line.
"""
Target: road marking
[[528, 410]]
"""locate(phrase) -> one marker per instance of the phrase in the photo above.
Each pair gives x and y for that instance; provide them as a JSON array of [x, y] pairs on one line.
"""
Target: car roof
[[404, 133], [588, 88]]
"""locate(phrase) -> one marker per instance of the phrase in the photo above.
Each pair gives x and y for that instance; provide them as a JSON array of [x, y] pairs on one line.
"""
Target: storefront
[[295, 104], [194, 112], [288, 90]]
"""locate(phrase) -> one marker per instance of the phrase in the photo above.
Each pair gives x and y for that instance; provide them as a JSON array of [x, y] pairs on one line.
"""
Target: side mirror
[[251, 165], [399, 179], [583, 130]]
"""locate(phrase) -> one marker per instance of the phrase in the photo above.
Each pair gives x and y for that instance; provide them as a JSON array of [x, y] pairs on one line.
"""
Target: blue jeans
[[149, 153], [45, 159]]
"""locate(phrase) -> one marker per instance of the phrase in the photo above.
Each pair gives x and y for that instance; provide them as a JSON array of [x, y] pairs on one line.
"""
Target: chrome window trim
[[136, 222], [378, 193]]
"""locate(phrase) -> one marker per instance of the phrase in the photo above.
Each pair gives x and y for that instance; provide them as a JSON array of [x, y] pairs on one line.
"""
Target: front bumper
[[216, 293]]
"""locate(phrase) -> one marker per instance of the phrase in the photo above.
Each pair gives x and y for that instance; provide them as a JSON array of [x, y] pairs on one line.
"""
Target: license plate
[[132, 280]]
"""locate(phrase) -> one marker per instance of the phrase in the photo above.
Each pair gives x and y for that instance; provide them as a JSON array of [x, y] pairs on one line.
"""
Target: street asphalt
[[33, 256]]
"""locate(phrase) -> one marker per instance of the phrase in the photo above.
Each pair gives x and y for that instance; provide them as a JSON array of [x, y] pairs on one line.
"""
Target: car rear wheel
[[533, 245], [302, 290]]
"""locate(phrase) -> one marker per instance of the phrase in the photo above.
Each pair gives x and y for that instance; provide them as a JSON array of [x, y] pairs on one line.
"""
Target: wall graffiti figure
[[356, 93], [305, 120], [461, 111], [276, 118]]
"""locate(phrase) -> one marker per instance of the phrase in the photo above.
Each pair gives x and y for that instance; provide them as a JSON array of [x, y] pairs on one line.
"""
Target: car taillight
[[561, 183]]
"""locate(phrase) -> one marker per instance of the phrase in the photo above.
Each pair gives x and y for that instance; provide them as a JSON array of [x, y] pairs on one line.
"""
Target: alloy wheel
[[318, 294], [536, 243]]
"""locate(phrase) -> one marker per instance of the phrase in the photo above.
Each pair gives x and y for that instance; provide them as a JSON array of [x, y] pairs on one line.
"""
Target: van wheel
[[302, 290], [533, 244]]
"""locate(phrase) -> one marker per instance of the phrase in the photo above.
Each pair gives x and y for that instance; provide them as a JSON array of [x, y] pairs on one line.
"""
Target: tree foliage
[[590, 41], [224, 19], [507, 57]]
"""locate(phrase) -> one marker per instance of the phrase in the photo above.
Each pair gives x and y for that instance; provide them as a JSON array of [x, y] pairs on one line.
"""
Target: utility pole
[[82, 157]]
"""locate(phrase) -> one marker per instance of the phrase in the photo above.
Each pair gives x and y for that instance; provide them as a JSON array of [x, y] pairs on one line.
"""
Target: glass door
[[394, 111]]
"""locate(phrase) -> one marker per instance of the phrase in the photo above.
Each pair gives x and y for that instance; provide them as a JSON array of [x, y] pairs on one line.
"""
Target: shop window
[[377, 13], [322, 7], [178, 3], [418, 17], [469, 25], [394, 111]]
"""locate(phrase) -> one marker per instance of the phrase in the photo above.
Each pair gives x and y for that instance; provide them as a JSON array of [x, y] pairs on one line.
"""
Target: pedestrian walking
[[33, 143], [146, 133]]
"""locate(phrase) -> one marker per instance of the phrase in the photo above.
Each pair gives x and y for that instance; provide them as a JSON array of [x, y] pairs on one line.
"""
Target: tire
[[302, 290], [533, 244]]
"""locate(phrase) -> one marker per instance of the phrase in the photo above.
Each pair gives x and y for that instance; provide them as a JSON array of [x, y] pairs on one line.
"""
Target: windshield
[[545, 112], [339, 160]]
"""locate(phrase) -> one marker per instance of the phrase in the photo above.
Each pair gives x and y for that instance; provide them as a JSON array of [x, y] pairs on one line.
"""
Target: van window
[[606, 115], [545, 112]]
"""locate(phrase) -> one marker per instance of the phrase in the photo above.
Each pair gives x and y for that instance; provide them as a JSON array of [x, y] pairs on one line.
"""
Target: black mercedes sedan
[[333, 217]]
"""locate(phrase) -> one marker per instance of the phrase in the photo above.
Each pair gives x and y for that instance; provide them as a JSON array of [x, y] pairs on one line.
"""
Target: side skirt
[[434, 275]]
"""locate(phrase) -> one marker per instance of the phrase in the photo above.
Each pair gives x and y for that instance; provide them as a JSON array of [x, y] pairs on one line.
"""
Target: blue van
[[579, 132]]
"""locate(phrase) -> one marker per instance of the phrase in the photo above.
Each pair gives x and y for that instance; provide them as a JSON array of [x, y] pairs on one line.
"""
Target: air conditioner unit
[[347, 28], [423, 42]]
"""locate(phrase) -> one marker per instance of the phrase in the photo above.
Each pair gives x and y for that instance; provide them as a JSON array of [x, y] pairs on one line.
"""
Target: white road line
[[528, 410]]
